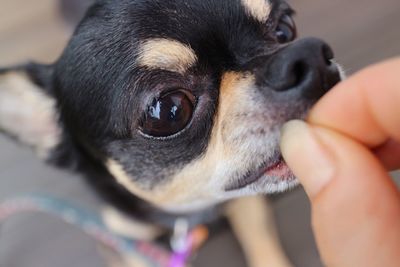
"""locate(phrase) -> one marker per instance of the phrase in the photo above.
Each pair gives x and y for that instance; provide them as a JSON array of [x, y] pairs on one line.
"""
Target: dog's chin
[[274, 177], [279, 180]]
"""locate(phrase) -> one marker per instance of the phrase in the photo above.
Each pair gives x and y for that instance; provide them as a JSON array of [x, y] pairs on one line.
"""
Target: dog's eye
[[168, 114], [286, 30]]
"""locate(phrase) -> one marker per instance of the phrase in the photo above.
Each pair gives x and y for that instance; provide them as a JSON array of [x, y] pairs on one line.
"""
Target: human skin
[[341, 155]]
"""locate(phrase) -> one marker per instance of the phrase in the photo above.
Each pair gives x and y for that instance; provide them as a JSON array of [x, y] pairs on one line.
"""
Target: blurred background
[[361, 32]]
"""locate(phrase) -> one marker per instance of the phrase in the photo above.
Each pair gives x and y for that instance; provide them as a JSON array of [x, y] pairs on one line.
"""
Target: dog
[[172, 109]]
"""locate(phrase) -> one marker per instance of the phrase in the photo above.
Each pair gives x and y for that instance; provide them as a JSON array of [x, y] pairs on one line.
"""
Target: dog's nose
[[305, 66]]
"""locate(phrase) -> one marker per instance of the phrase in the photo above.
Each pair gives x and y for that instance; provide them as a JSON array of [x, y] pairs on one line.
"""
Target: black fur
[[101, 92]]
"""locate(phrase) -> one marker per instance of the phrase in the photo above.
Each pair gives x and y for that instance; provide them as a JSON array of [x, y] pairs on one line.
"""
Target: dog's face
[[183, 101]]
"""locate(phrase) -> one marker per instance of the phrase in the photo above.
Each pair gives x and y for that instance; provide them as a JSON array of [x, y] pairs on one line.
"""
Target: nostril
[[327, 54], [299, 71]]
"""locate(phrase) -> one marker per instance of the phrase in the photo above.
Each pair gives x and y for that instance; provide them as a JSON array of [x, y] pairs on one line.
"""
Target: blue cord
[[89, 222]]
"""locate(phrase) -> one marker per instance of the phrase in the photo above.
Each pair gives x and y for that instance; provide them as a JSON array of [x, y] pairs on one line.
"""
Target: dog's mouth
[[278, 169]]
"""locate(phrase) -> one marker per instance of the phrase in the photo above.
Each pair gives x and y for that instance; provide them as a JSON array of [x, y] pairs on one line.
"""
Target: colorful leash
[[184, 241]]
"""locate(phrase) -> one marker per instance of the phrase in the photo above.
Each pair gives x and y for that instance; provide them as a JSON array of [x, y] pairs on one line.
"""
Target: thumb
[[355, 204]]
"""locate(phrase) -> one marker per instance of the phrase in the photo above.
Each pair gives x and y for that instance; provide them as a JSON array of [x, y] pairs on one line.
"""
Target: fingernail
[[307, 156]]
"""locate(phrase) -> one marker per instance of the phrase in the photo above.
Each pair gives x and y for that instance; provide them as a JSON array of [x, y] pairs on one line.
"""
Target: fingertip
[[307, 157]]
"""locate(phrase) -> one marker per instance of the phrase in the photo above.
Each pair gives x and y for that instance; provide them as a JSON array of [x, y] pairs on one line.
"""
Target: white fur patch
[[259, 9], [127, 226], [341, 70], [27, 113], [166, 54]]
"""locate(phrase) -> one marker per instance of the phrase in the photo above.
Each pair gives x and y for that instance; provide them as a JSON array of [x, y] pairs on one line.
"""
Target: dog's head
[[181, 101]]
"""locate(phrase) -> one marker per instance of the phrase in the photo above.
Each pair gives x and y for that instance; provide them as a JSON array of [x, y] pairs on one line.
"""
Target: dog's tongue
[[278, 170]]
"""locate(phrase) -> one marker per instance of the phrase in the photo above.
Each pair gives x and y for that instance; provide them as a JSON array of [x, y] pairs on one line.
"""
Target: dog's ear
[[28, 109]]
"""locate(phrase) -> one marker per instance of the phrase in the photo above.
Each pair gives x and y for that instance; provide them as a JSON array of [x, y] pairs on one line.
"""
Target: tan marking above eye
[[260, 9], [166, 54]]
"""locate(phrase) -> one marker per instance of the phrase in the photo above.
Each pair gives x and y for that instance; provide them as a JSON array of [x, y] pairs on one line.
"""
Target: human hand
[[341, 156]]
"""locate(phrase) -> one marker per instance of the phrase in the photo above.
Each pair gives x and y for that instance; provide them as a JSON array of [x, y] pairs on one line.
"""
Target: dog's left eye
[[285, 31], [168, 114]]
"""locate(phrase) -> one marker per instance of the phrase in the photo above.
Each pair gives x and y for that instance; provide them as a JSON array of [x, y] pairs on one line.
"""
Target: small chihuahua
[[173, 109]]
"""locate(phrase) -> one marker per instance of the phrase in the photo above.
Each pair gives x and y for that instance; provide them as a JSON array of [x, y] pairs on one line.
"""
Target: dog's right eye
[[285, 31], [168, 115]]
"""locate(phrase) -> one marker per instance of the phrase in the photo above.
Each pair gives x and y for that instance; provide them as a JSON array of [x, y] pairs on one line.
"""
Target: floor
[[361, 32]]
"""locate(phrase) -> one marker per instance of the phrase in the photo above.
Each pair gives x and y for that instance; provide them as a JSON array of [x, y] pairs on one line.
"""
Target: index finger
[[366, 107]]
